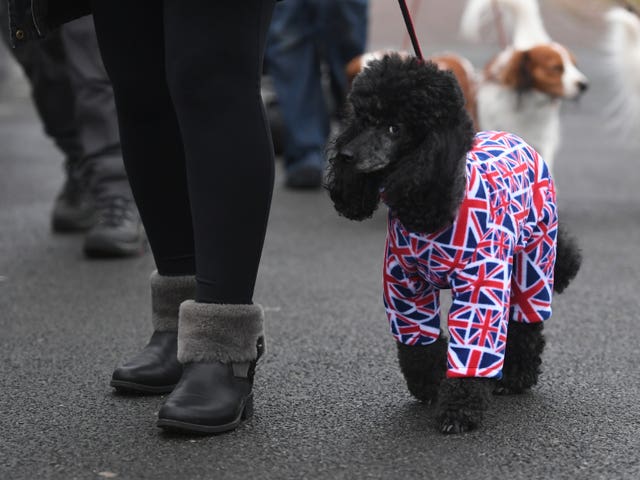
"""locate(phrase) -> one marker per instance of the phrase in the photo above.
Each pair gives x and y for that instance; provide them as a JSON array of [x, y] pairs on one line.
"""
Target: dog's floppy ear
[[425, 190], [518, 74]]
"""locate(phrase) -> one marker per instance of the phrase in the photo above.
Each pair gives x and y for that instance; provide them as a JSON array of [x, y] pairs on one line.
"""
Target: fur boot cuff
[[214, 332], [167, 293]]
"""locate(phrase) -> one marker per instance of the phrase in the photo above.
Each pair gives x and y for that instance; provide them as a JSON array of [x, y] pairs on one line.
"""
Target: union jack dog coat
[[497, 256]]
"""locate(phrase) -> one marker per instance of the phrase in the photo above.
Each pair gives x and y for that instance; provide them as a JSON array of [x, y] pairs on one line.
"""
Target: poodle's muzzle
[[369, 151]]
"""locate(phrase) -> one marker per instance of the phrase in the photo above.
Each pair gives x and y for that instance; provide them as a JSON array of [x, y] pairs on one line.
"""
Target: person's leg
[[293, 63], [154, 158], [344, 37], [214, 58], [46, 66], [118, 231], [214, 64], [149, 132]]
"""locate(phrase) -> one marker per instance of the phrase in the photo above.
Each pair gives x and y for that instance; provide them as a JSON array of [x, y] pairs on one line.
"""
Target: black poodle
[[405, 141]]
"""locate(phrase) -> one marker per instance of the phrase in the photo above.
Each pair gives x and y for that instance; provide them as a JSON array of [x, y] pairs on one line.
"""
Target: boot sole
[[131, 387], [99, 248], [61, 225], [184, 427]]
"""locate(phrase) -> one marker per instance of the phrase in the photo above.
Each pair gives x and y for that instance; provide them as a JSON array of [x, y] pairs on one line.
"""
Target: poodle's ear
[[425, 190], [355, 195]]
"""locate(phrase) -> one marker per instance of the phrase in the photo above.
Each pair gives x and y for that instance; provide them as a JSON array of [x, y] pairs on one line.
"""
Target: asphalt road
[[330, 401]]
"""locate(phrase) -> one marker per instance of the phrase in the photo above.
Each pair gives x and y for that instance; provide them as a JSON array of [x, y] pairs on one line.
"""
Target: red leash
[[410, 28]]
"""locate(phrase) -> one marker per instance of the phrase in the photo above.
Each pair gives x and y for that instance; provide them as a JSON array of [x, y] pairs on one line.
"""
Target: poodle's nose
[[347, 154]]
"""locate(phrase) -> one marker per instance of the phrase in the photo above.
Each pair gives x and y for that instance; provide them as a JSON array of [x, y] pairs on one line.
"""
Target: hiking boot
[[73, 208], [118, 231]]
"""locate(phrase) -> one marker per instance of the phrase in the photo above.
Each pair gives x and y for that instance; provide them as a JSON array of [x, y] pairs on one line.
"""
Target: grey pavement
[[330, 401]]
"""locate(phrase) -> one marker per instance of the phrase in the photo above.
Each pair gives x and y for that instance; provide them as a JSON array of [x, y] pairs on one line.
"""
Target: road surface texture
[[330, 400]]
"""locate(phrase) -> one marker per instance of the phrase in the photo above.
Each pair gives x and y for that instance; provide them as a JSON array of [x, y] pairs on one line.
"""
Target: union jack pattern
[[497, 257]]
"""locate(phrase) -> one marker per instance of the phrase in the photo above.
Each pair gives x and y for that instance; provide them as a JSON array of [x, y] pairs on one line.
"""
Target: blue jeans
[[304, 34]]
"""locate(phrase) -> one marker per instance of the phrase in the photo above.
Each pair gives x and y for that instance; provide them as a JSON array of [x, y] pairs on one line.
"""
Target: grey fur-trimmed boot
[[156, 368], [219, 347]]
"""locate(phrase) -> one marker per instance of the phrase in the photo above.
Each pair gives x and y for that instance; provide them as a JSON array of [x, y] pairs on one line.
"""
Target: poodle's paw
[[424, 392], [423, 367], [462, 403], [454, 422]]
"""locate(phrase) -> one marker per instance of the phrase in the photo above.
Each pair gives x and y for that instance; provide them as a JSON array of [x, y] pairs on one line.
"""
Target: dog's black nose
[[583, 86], [347, 154]]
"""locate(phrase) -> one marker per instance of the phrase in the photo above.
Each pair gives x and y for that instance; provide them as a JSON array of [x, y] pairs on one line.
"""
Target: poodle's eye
[[393, 129]]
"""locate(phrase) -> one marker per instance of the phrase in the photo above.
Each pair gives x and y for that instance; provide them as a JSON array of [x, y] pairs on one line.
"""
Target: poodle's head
[[405, 138]]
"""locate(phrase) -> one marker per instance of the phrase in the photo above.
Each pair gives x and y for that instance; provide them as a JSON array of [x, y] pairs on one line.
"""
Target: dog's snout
[[583, 86], [347, 153]]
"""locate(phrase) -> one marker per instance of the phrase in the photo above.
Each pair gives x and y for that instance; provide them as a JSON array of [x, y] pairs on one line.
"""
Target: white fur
[[572, 77], [522, 15], [623, 49], [533, 116]]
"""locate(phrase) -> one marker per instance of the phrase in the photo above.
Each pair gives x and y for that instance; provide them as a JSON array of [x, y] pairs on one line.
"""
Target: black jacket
[[31, 19]]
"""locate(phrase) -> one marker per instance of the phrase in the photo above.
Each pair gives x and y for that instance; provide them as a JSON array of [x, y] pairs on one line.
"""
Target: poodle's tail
[[568, 260], [623, 49], [521, 16]]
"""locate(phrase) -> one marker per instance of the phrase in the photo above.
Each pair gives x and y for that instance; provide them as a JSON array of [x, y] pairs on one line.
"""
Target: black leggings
[[196, 145]]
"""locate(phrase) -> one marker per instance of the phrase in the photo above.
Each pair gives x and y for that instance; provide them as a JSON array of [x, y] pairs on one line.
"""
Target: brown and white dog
[[458, 65], [522, 88], [623, 49]]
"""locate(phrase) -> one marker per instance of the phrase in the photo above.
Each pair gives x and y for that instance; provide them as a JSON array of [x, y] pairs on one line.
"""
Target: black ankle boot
[[219, 346], [156, 368]]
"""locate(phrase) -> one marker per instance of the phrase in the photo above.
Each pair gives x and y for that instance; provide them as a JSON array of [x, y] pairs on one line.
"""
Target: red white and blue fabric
[[497, 258]]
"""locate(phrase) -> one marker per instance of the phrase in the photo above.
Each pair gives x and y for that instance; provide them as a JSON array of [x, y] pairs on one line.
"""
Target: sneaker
[[73, 209], [118, 231]]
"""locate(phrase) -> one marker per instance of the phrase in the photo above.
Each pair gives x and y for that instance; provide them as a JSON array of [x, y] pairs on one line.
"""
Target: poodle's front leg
[[424, 367], [462, 403], [522, 359]]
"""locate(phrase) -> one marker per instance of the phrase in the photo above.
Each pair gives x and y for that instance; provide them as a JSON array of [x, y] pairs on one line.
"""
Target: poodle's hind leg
[[522, 360], [462, 403], [424, 367]]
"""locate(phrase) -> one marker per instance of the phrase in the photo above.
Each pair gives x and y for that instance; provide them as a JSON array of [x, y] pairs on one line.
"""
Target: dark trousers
[[74, 99], [196, 144], [304, 36]]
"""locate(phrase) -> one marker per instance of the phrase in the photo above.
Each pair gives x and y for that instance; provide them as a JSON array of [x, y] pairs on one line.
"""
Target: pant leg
[[95, 105], [45, 64], [214, 53], [344, 38], [532, 285], [132, 48], [293, 62], [95, 110], [478, 318]]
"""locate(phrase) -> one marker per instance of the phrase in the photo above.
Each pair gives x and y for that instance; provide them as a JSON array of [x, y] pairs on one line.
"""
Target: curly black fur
[[423, 367], [462, 403], [568, 260], [522, 360], [411, 116]]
